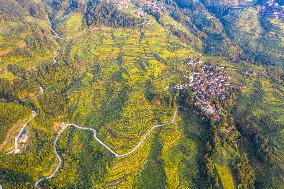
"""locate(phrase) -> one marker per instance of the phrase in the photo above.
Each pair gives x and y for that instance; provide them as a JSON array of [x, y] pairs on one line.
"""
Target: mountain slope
[[124, 68]]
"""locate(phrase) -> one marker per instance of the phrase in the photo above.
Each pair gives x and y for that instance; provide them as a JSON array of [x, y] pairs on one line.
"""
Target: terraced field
[[115, 88]]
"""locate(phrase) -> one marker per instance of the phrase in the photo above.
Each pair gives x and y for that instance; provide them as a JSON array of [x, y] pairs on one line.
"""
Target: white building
[[24, 138]]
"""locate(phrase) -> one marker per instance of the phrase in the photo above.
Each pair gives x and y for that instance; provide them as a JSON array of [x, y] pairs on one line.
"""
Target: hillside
[[140, 94], [230, 3]]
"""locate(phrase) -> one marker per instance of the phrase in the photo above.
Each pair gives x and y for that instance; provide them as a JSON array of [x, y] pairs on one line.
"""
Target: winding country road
[[57, 37], [117, 155], [66, 126], [16, 148], [34, 114], [54, 32]]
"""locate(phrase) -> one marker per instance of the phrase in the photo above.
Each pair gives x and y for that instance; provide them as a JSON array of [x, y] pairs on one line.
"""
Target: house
[[24, 138], [178, 87], [216, 117], [229, 129]]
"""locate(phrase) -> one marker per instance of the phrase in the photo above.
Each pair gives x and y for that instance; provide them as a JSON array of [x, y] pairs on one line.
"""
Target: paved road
[[16, 148], [117, 155], [55, 146], [54, 32], [57, 36]]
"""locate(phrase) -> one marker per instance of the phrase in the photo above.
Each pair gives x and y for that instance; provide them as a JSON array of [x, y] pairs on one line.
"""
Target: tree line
[[104, 13]]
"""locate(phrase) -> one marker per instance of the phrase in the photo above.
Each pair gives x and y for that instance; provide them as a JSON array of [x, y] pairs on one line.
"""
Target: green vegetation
[[245, 174], [100, 12], [117, 65], [153, 175], [262, 38], [10, 114]]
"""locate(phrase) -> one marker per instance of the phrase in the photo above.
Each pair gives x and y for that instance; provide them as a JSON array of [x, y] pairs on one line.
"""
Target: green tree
[[245, 173]]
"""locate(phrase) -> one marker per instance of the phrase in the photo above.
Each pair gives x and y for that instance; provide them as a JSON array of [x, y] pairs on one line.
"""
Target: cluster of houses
[[141, 14], [152, 5], [248, 73], [121, 4], [149, 4], [274, 9], [210, 84]]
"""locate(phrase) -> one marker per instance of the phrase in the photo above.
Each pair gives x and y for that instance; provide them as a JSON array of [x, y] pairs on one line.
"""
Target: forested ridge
[[100, 12]]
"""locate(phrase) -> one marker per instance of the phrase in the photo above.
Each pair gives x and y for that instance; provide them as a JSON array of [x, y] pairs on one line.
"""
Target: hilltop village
[[146, 4], [152, 5], [142, 7], [121, 5], [210, 84], [270, 8]]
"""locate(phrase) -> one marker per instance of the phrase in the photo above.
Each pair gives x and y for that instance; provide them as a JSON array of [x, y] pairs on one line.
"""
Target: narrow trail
[[117, 155], [58, 37]]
